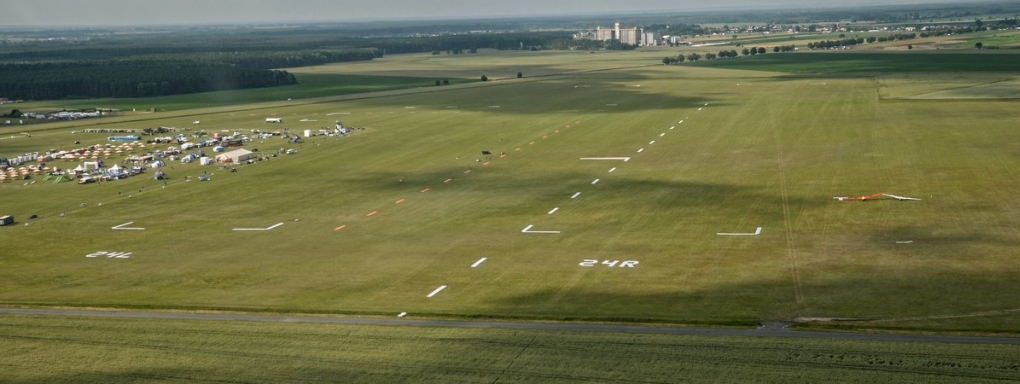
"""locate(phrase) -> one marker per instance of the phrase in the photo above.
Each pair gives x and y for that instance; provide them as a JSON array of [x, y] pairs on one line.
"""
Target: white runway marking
[[441, 287], [259, 229], [596, 181], [756, 233], [641, 150], [575, 195], [699, 109], [554, 210], [651, 142], [671, 128], [528, 230], [479, 262], [122, 226], [338, 113], [402, 314], [625, 159], [905, 242], [611, 170], [662, 134]]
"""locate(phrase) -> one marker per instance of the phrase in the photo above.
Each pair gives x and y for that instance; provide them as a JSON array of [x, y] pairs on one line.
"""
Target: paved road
[[768, 330]]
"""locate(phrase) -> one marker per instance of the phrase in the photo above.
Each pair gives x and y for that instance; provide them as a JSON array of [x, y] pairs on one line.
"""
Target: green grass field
[[359, 235], [59, 350]]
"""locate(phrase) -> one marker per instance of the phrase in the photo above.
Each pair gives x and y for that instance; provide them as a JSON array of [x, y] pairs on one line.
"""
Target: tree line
[[131, 78]]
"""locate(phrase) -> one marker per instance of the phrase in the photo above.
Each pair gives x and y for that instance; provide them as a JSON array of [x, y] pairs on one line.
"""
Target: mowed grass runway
[[754, 150]]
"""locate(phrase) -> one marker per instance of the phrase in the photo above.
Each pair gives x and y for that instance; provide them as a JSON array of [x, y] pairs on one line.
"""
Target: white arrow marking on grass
[[259, 229], [756, 233], [554, 210], [575, 195], [479, 262], [625, 159], [122, 226], [441, 287], [528, 230]]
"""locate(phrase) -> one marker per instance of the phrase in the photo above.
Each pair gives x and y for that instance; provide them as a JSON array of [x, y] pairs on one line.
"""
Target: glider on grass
[[875, 196]]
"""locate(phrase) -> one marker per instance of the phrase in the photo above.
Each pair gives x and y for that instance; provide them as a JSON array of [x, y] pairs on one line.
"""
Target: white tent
[[238, 156]]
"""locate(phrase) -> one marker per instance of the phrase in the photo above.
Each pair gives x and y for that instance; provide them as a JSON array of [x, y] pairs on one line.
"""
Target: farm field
[[408, 216], [57, 350]]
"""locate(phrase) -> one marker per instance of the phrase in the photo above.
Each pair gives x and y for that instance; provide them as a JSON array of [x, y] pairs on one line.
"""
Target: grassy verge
[[56, 350]]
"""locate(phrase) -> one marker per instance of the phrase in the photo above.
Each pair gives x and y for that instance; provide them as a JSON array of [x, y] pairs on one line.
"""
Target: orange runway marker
[[424, 190], [487, 163], [340, 227], [467, 171], [399, 201], [447, 180], [372, 213]]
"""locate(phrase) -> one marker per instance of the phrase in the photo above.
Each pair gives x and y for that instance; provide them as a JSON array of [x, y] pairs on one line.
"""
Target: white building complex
[[632, 36]]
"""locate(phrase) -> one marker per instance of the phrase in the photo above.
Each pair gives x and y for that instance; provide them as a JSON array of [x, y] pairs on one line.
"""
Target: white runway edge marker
[[554, 210], [756, 233], [662, 134], [596, 181], [441, 287], [479, 262], [905, 242], [528, 230], [611, 170], [651, 142], [624, 158], [575, 195], [641, 150], [259, 229], [122, 226], [402, 314]]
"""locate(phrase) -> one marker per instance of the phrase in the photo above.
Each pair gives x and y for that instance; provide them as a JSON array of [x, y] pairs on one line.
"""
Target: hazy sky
[[148, 12]]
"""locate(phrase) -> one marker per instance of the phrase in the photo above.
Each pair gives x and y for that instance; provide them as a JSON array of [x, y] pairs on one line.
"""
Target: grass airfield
[[755, 149]]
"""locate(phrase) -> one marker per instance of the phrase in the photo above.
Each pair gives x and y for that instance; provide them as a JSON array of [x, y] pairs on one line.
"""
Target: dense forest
[[132, 78], [155, 62]]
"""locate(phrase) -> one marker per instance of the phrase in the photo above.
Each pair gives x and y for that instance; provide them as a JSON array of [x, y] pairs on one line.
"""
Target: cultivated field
[[377, 222]]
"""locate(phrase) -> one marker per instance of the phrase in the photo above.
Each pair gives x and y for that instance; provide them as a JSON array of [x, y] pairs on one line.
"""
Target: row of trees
[[826, 44], [724, 54], [129, 78]]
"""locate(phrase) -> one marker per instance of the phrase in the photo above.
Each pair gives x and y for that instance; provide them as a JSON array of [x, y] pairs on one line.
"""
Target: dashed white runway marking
[[402, 314], [651, 142], [554, 210], [662, 134], [479, 262], [756, 233], [611, 170], [122, 226], [528, 230], [575, 195], [441, 287], [259, 229], [641, 150], [596, 181]]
